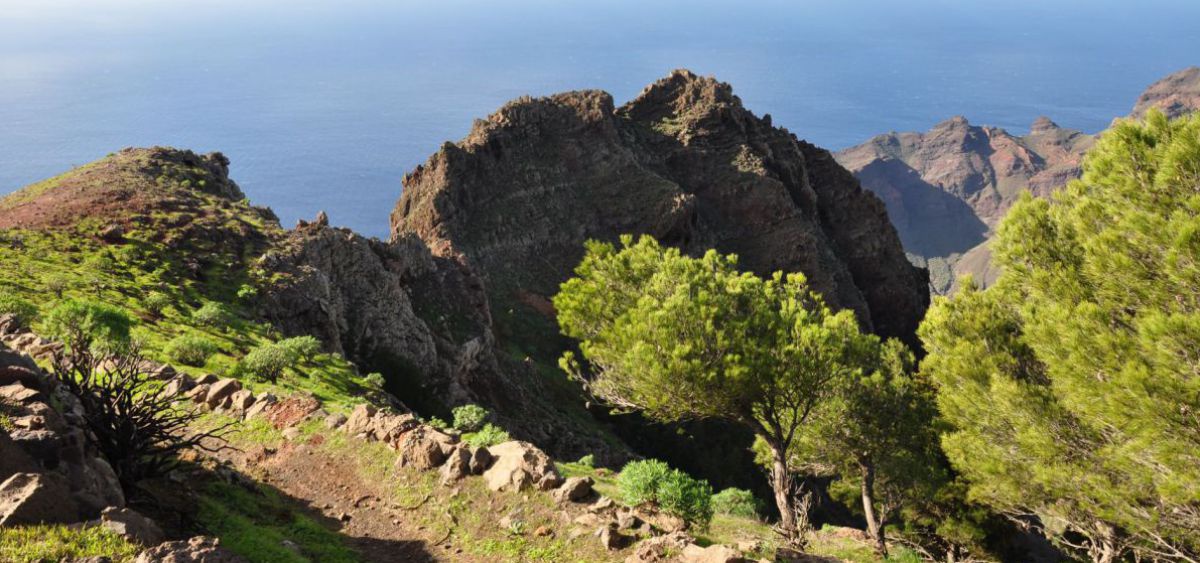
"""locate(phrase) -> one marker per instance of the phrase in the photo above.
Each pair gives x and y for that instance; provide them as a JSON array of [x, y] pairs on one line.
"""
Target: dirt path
[[331, 489]]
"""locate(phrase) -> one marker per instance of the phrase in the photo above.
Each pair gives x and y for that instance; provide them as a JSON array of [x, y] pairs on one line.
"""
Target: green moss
[[56, 542]]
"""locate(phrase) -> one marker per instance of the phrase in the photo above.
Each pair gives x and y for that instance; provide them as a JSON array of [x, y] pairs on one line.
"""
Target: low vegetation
[[654, 483]]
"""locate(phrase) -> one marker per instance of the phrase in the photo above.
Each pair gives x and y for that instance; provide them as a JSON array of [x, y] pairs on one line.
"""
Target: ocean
[[325, 105]]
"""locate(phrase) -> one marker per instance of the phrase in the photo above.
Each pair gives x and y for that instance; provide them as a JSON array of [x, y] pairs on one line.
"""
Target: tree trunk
[[874, 526], [781, 483]]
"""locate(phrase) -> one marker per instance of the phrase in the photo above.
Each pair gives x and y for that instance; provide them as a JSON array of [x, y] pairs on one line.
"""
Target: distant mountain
[[946, 189]]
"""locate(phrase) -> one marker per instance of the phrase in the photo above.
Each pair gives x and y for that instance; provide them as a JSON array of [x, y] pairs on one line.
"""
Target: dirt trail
[[331, 489]]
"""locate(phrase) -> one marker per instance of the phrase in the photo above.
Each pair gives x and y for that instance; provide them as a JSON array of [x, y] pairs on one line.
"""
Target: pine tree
[[686, 338], [1073, 385]]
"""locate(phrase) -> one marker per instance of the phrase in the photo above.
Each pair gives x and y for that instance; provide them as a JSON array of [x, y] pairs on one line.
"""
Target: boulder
[[198, 393], [612, 539], [574, 489], [207, 379], [420, 449], [131, 525], [241, 400], [360, 419], [95, 486], [221, 390], [36, 498], [13, 459], [661, 520], [18, 394], [199, 549], [519, 465], [481, 459], [177, 385], [388, 427], [457, 466], [260, 404], [711, 554], [29, 377], [335, 421]]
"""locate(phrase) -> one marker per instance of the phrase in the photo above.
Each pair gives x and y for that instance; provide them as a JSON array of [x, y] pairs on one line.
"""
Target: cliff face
[[946, 189], [685, 162]]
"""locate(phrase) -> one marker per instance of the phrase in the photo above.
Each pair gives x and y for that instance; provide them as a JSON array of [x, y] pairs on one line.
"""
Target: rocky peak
[[1176, 94], [1043, 125], [683, 161]]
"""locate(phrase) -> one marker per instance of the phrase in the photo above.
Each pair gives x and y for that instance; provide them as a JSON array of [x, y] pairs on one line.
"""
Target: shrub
[[56, 283], [588, 460], [22, 310], [736, 502], [675, 492], [156, 302], [190, 349], [247, 292], [438, 423], [374, 380], [487, 436], [469, 418], [267, 361], [86, 325], [212, 314], [301, 347]]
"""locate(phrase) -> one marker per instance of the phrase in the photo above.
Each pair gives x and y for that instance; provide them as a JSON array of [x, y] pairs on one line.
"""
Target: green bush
[[301, 347], [156, 302], [736, 502], [86, 325], [469, 418], [438, 423], [268, 361], [588, 460], [22, 310], [487, 436], [190, 349], [247, 292], [212, 314], [374, 380], [675, 492]]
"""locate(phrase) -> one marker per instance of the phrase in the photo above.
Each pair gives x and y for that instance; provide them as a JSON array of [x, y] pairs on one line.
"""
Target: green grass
[[55, 542], [254, 524], [48, 266]]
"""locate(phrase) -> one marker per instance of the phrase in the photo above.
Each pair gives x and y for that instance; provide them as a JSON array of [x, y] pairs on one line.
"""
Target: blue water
[[325, 105]]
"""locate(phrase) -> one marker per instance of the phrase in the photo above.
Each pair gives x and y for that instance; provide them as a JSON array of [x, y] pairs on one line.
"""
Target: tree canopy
[[681, 337], [1072, 386]]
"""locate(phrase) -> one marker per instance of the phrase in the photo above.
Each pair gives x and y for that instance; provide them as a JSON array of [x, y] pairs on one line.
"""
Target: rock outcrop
[[685, 162], [947, 189], [1176, 94]]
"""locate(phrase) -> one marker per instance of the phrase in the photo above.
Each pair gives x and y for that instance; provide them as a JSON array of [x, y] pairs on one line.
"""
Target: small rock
[[291, 433], [543, 531], [612, 539], [711, 554], [291, 546], [207, 379], [574, 489], [335, 421], [421, 450], [131, 525], [199, 549]]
